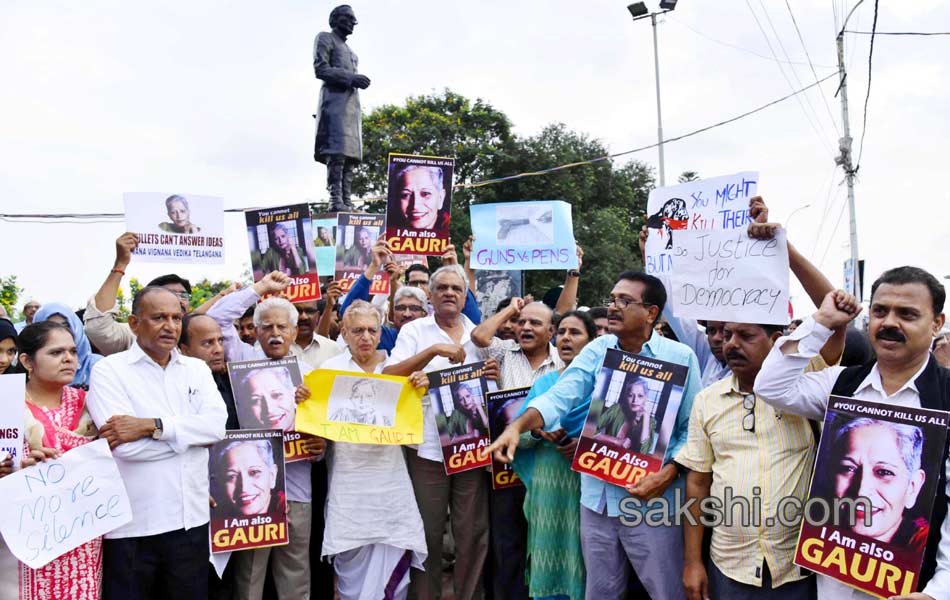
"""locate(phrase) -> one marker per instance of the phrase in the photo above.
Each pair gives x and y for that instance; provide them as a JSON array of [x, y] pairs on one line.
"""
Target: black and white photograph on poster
[[520, 224], [363, 401], [176, 227], [491, 287]]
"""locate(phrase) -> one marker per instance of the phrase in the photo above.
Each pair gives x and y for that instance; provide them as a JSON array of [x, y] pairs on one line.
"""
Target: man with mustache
[[610, 545], [275, 321], [520, 363], [906, 313]]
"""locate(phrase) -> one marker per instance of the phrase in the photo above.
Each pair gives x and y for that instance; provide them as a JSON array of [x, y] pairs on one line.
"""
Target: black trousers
[[167, 565], [509, 541]]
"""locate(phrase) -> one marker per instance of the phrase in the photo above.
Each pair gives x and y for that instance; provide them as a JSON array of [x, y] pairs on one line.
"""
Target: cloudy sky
[[215, 98]]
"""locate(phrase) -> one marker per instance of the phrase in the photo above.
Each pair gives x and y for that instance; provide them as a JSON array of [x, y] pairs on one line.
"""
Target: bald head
[[201, 338], [535, 328]]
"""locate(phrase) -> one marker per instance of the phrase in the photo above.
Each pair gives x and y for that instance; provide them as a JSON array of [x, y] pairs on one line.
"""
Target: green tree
[[204, 290], [10, 294]]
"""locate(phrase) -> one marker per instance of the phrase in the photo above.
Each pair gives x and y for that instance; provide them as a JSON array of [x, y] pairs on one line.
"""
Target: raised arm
[[360, 288], [334, 290], [483, 334], [232, 306], [99, 319], [568, 298]]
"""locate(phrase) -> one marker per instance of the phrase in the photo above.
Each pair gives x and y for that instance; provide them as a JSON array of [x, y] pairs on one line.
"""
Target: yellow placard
[[361, 408]]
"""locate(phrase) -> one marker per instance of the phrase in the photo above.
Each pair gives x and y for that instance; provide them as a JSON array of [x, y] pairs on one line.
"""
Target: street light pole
[[844, 159], [659, 112]]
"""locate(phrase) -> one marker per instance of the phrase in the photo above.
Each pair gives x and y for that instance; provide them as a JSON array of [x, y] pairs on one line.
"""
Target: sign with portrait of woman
[[872, 492], [419, 204], [176, 227], [281, 239]]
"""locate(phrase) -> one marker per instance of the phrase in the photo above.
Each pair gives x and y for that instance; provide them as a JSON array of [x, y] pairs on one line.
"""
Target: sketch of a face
[[249, 477], [272, 401], [363, 394], [178, 213]]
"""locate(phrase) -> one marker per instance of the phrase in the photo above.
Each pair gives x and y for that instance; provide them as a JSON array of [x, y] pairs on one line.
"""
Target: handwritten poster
[[355, 235], [724, 275], [246, 471], [324, 244], [873, 487], [361, 408], [461, 415], [419, 204], [281, 239], [631, 418], [13, 394], [714, 204], [60, 504], [536, 235], [176, 228]]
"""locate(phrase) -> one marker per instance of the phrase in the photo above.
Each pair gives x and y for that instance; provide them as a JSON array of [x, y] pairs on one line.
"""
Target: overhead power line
[[801, 39], [920, 33], [19, 217], [867, 96]]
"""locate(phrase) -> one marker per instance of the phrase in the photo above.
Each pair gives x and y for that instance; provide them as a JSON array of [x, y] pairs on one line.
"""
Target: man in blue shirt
[[609, 543]]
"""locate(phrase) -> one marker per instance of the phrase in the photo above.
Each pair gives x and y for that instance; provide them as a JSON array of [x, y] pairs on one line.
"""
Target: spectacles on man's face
[[182, 295], [623, 302], [748, 421], [408, 308]]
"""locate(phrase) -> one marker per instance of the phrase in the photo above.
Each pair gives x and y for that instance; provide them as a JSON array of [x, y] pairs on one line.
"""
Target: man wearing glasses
[[609, 544], [100, 324], [756, 451], [408, 302]]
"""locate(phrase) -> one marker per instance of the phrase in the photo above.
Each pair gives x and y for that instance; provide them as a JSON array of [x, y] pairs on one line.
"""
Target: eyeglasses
[[748, 421], [183, 295], [408, 307], [623, 302]]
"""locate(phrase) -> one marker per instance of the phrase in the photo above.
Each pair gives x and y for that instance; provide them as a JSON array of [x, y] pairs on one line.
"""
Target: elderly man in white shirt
[[159, 410], [431, 344], [275, 322], [373, 532], [906, 313]]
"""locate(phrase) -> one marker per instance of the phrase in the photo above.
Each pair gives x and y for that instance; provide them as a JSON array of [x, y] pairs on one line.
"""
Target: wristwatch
[[573, 273], [157, 432]]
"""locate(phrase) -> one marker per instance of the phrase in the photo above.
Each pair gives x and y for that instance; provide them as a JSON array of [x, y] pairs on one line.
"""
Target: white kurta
[[370, 499]]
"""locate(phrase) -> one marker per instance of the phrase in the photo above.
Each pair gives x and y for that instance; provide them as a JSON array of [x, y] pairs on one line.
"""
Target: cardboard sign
[[281, 239], [13, 393], [324, 245], [892, 456], [264, 396], [631, 418], [176, 228], [361, 408], [419, 204], [725, 275], [523, 235], [458, 399], [714, 204], [58, 505], [247, 483]]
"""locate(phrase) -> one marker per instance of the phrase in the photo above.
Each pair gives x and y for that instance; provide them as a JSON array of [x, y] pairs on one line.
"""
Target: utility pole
[[845, 157], [659, 114]]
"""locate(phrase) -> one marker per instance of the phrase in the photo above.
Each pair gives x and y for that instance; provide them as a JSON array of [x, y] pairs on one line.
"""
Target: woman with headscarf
[[60, 313], [552, 503], [8, 346]]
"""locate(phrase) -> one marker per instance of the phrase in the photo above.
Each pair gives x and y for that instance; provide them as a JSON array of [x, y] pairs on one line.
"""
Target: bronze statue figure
[[339, 142]]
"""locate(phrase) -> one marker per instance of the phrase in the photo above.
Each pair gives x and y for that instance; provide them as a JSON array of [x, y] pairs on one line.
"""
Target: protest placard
[[361, 408], [457, 396], [717, 203], [631, 418], [875, 478], [491, 287], [503, 407], [324, 244], [13, 392], [523, 235], [60, 504], [724, 275], [247, 484], [419, 204], [355, 235], [176, 228], [264, 396], [281, 239]]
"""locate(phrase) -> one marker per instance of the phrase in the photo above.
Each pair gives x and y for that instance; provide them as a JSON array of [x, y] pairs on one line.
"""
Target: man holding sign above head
[[374, 532], [610, 542], [906, 313], [159, 411]]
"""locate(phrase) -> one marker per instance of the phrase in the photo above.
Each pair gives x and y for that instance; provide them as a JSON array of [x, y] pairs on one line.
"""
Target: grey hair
[[547, 309], [414, 292], [434, 172], [275, 302], [285, 226], [282, 373], [362, 307], [263, 448], [448, 269], [176, 198], [909, 437]]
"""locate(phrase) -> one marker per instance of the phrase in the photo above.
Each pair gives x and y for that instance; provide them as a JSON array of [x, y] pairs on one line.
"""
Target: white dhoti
[[373, 572]]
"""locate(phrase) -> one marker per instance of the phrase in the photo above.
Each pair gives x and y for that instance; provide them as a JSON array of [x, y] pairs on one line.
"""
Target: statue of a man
[[339, 142]]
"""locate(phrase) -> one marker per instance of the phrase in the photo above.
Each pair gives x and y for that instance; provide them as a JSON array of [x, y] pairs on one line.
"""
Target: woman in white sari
[[374, 532]]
